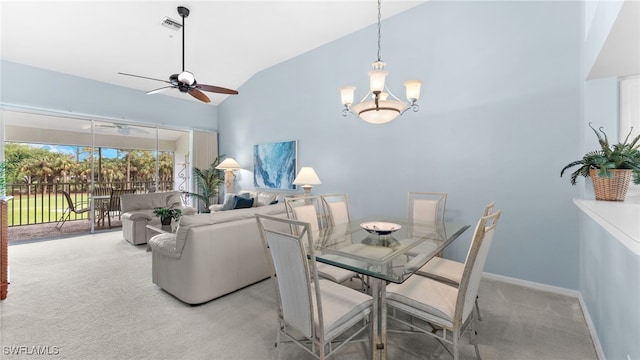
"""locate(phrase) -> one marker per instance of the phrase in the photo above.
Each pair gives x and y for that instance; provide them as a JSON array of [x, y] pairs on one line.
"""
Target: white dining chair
[[336, 207], [447, 311], [317, 310], [309, 209], [450, 271], [426, 207]]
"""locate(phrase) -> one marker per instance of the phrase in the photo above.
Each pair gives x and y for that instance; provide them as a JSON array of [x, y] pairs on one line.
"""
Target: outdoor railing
[[44, 203]]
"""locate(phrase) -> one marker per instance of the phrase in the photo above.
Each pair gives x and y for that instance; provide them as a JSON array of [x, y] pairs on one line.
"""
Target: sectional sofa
[[211, 255]]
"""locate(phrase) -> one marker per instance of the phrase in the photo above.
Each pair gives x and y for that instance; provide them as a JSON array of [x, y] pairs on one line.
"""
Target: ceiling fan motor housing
[[183, 11]]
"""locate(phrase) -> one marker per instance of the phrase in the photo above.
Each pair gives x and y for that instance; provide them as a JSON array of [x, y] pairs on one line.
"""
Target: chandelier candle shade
[[307, 177], [228, 165], [379, 105]]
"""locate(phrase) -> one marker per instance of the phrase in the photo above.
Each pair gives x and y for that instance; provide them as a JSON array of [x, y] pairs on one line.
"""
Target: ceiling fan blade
[[160, 90], [144, 77], [217, 89], [199, 95]]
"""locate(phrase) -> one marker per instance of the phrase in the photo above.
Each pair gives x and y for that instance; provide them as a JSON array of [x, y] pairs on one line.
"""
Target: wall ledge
[[620, 219]]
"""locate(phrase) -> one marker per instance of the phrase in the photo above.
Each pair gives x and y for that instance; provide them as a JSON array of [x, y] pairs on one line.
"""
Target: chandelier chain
[[379, 27]]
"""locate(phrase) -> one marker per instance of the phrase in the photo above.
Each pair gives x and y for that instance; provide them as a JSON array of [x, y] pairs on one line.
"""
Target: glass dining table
[[384, 250]]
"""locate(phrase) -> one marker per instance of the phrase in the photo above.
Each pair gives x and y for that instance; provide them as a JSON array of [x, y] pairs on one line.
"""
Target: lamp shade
[[307, 176], [228, 164]]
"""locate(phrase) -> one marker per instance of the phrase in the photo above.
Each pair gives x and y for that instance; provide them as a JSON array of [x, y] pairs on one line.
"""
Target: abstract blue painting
[[274, 165]]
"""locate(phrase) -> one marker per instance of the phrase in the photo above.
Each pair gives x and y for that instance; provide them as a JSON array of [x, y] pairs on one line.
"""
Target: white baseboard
[[531, 284], [592, 328], [556, 290]]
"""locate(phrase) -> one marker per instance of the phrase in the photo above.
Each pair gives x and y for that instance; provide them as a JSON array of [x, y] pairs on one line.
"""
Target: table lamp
[[307, 178], [228, 165]]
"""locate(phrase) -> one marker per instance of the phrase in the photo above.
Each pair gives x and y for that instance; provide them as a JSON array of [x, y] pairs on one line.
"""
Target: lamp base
[[228, 181], [307, 190]]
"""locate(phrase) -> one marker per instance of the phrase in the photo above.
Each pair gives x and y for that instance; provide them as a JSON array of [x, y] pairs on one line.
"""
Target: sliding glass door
[[50, 154]]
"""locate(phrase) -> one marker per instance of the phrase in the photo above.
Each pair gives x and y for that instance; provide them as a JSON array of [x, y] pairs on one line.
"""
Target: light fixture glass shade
[[228, 164], [186, 77], [387, 111], [413, 89], [307, 176], [346, 93], [377, 77]]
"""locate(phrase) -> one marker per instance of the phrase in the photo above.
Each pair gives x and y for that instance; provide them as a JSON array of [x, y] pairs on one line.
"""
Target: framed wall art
[[275, 164]]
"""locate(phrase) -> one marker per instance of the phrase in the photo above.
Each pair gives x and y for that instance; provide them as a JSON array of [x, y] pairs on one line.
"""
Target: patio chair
[[72, 208], [313, 313], [446, 311], [114, 204]]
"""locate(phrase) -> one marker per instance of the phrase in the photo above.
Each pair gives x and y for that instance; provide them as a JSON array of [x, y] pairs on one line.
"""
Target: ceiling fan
[[123, 129], [185, 81]]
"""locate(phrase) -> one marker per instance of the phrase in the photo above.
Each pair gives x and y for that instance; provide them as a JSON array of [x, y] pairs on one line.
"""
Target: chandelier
[[379, 105]]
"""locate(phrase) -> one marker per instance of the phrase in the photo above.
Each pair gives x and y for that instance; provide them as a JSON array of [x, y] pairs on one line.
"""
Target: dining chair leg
[[456, 340], [474, 339]]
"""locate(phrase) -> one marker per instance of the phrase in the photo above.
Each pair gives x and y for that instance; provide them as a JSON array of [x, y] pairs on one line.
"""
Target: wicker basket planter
[[613, 189]]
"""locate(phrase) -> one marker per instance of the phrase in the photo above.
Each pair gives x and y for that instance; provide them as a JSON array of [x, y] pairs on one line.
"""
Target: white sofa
[[211, 255], [137, 212]]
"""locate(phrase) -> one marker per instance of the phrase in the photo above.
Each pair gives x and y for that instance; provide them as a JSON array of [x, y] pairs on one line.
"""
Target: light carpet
[[91, 297]]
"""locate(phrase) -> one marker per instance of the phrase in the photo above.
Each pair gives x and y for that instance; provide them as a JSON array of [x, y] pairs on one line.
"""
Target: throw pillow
[[265, 198], [240, 202], [228, 201]]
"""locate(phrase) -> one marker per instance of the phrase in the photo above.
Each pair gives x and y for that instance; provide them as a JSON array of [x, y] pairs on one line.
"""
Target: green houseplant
[[166, 213], [208, 182], [612, 166]]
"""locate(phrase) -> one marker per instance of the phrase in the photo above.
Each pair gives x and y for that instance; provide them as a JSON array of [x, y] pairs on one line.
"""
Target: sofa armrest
[[165, 244], [137, 215]]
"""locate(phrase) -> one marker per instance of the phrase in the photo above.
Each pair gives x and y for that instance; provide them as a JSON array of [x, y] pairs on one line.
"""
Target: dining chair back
[[426, 208], [307, 209], [450, 271], [336, 207], [446, 309], [310, 210], [317, 309]]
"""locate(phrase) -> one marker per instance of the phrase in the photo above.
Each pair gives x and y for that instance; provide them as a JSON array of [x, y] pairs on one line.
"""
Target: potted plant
[[611, 167], [166, 213], [208, 182]]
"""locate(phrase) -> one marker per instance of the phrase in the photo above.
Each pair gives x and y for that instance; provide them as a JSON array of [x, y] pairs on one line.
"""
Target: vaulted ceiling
[[226, 42]]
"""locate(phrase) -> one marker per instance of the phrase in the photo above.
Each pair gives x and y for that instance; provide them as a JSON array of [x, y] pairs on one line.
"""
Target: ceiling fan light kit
[[185, 81]]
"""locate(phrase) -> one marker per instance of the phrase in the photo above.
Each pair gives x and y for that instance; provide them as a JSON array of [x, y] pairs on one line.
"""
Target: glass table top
[[391, 249]]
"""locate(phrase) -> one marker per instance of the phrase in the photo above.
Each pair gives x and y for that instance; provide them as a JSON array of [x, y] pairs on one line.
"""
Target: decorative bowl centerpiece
[[380, 228]]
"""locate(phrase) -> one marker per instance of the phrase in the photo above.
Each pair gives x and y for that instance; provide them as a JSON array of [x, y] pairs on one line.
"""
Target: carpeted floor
[[91, 297]]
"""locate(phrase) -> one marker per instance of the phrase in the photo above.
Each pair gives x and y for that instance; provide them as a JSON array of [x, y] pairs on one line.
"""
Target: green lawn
[[38, 209]]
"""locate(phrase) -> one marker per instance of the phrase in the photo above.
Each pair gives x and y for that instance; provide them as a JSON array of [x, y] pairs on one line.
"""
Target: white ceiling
[[226, 42]]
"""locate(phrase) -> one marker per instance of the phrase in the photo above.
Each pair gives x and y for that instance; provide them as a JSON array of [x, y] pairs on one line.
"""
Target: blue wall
[[30, 87], [610, 288], [500, 109]]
